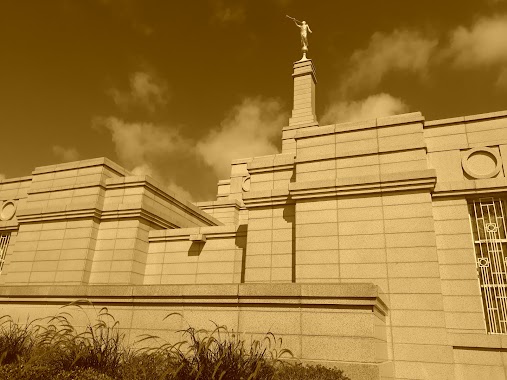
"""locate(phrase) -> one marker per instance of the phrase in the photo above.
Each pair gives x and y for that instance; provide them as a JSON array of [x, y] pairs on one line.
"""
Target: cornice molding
[[267, 198], [422, 180], [470, 188], [183, 234], [122, 211], [362, 296], [146, 182]]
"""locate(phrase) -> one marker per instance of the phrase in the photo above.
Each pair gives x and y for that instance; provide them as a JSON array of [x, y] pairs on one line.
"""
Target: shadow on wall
[[241, 243], [289, 215], [196, 248]]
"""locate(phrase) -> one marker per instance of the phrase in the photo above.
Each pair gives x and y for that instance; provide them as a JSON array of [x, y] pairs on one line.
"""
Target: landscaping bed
[[52, 348]]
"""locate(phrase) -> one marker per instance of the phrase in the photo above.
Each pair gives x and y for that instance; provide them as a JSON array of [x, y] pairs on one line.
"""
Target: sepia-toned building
[[377, 246]]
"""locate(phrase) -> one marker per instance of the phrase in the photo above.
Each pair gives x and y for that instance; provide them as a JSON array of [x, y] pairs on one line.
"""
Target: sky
[[176, 90]]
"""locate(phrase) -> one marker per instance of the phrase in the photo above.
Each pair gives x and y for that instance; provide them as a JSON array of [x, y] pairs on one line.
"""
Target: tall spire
[[303, 111]]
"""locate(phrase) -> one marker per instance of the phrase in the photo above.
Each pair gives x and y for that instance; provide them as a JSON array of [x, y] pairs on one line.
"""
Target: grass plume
[[53, 348]]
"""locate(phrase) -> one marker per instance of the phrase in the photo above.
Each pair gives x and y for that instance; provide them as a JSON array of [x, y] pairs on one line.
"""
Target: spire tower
[[303, 111]]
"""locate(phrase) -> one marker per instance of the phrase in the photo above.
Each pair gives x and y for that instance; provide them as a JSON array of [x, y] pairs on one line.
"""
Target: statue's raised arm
[[304, 28]]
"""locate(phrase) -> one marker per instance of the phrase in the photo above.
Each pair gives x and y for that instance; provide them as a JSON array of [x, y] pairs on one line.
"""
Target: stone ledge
[[169, 196], [478, 341], [114, 211], [83, 185], [365, 124], [462, 119], [355, 125], [315, 131], [364, 296], [304, 68], [374, 149], [392, 182], [238, 161], [82, 164], [222, 182], [400, 119], [489, 115], [220, 203], [300, 126], [265, 198], [16, 179], [277, 162], [452, 120], [179, 234], [470, 187]]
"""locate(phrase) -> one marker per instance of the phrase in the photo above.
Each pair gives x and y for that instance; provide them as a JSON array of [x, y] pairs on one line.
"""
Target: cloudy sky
[[178, 89]]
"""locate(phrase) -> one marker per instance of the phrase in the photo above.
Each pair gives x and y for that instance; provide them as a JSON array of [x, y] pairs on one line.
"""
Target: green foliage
[[224, 355], [37, 372], [148, 366], [16, 340], [99, 346], [82, 374], [56, 350], [308, 372]]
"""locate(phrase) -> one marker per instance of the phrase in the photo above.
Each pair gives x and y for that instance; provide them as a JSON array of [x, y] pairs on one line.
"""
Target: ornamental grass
[[53, 348]]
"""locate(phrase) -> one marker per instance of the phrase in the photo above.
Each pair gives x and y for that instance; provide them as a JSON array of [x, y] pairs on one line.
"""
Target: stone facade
[[378, 246]]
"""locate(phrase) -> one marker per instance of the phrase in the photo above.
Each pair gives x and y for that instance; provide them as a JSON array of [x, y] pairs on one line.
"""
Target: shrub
[[219, 354], [38, 372], [100, 346], [148, 366], [211, 356], [56, 350], [82, 374], [299, 371]]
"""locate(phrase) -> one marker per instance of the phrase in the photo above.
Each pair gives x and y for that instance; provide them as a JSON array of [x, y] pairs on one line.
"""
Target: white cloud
[[145, 90], [143, 28], [494, 2], [143, 148], [250, 129], [138, 143], [128, 12], [399, 50], [374, 106], [65, 154], [228, 13], [150, 170], [483, 44], [502, 78]]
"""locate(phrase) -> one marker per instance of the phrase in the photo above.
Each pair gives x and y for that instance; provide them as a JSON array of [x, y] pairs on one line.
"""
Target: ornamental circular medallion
[[483, 262], [480, 163], [8, 210], [246, 184], [491, 227]]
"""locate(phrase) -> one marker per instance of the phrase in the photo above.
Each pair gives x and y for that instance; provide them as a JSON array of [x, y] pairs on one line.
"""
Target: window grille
[[490, 237], [4, 243]]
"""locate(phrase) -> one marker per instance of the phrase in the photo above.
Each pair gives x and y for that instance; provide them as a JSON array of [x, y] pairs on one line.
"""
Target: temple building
[[378, 246]]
